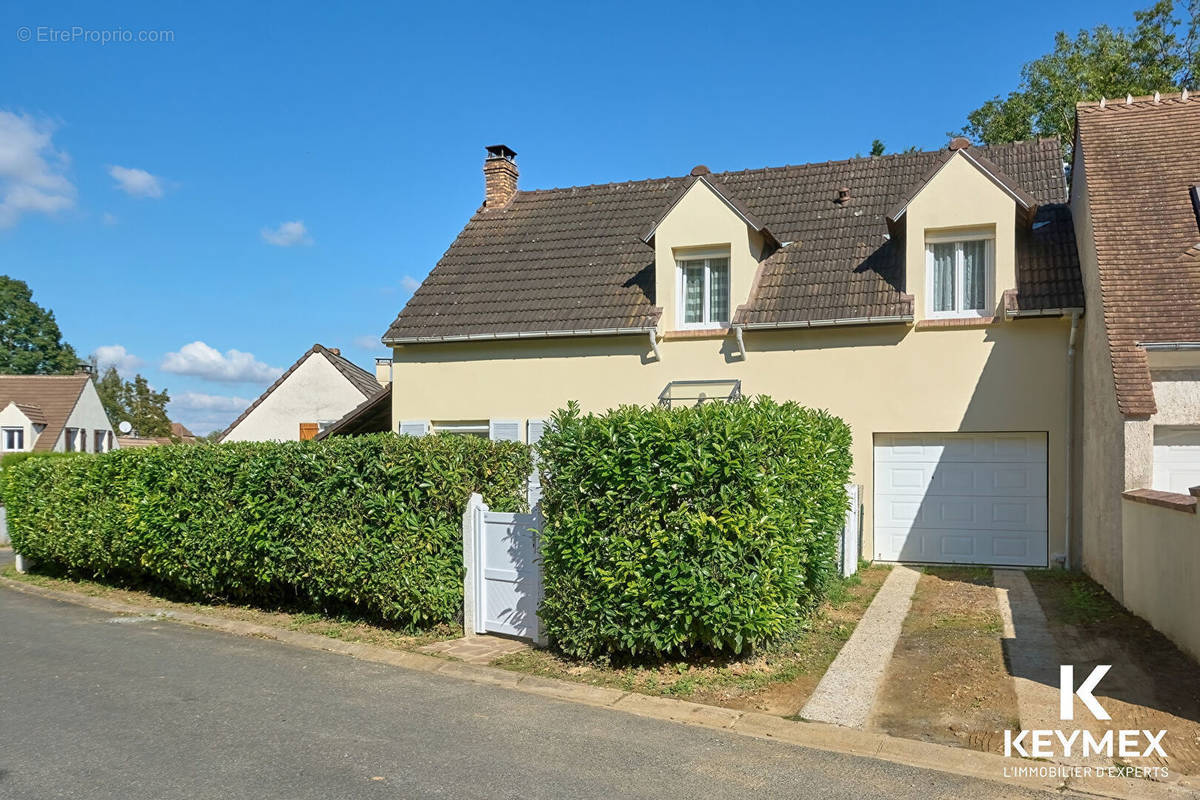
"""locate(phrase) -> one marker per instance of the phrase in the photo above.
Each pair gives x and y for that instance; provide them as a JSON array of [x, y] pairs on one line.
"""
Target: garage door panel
[[945, 448], [1176, 459], [957, 478], [973, 513], [961, 498]]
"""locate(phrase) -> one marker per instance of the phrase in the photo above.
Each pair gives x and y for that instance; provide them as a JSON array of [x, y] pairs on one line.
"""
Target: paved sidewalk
[[847, 691], [1029, 650], [476, 649]]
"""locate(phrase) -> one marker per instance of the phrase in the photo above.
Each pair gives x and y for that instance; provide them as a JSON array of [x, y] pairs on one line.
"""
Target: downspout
[[654, 344], [1070, 448], [737, 331]]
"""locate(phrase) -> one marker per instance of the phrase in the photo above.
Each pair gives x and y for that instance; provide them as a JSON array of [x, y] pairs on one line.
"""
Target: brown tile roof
[[1140, 160], [33, 413], [54, 395], [359, 378], [373, 415], [573, 260]]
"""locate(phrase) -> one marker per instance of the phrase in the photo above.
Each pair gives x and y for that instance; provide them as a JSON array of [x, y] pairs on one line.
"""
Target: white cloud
[[115, 355], [288, 234], [206, 362], [368, 342], [199, 401], [136, 182], [32, 171], [409, 283]]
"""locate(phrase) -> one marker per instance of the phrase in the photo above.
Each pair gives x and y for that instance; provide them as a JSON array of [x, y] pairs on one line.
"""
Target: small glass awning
[[693, 393]]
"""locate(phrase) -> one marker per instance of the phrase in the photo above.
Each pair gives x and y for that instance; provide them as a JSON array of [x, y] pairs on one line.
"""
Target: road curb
[[816, 735]]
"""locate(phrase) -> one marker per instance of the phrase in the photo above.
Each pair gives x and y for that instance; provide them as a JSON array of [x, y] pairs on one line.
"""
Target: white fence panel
[[849, 545], [503, 585]]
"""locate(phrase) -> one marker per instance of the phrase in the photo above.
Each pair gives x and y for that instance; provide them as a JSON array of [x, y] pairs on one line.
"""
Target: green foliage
[[1103, 62], [705, 528], [30, 341], [877, 147], [370, 524], [134, 402], [9, 460]]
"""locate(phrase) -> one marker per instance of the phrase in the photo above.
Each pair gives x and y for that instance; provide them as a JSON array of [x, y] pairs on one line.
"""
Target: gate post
[[472, 520]]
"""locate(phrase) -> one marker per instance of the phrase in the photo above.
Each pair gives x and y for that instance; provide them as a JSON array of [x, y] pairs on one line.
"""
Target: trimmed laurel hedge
[[709, 528], [369, 524]]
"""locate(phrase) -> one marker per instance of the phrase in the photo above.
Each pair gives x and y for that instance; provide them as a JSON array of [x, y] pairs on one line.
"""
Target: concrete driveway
[[97, 707]]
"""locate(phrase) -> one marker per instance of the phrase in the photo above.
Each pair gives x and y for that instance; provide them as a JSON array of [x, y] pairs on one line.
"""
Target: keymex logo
[[1123, 743]]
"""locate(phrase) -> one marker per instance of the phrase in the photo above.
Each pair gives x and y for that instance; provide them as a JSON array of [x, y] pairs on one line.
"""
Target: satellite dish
[[124, 427]]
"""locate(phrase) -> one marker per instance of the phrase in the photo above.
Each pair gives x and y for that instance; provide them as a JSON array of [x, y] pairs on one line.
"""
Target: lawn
[[777, 679]]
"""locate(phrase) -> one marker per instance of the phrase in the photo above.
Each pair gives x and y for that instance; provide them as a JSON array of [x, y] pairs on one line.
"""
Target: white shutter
[[414, 427], [504, 430], [533, 432]]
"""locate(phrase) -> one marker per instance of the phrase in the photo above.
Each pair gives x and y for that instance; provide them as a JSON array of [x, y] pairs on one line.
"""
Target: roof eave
[[483, 337]]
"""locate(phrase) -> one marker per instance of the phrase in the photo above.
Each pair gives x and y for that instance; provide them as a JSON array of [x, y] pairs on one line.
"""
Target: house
[[373, 415], [1136, 202], [53, 413], [316, 391], [179, 435], [929, 299]]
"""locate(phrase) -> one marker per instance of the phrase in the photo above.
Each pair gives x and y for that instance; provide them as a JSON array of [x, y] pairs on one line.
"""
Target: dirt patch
[[345, 629], [946, 681], [777, 680], [1152, 684]]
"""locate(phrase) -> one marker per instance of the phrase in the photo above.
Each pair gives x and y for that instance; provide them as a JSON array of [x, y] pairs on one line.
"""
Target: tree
[[134, 402], [1103, 62], [30, 341], [877, 147]]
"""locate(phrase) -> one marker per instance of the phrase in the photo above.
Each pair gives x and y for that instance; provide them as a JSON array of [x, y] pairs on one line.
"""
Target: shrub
[[370, 524], [667, 531], [9, 460]]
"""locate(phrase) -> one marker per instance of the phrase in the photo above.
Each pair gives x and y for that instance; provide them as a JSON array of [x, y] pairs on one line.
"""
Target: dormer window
[[958, 269], [704, 292]]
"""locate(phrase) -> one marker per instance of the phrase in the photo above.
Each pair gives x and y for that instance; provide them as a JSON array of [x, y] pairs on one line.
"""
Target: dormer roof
[[700, 174], [574, 261]]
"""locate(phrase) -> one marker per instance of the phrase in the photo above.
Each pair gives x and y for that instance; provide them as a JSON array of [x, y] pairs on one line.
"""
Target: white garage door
[[1176, 459], [961, 498]]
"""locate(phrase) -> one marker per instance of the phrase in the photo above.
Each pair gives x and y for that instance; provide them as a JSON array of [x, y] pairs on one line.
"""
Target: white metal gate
[[503, 585]]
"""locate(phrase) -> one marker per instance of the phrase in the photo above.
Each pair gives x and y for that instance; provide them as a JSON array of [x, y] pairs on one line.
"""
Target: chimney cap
[[700, 169], [959, 143], [843, 195], [503, 151]]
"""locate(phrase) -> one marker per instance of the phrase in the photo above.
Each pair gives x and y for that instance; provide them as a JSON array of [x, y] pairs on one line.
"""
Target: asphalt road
[[102, 707]]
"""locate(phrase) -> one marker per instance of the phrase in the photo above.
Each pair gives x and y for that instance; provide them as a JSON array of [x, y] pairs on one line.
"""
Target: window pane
[[718, 285], [943, 277], [974, 274], [693, 293]]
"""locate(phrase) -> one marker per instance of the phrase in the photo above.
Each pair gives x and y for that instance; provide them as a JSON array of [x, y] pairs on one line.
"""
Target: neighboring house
[[179, 435], [926, 298], [315, 392], [53, 413], [1136, 203], [373, 415]]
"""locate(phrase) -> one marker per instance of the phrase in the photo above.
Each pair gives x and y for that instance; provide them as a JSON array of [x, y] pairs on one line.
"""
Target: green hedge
[[370, 524], [705, 528]]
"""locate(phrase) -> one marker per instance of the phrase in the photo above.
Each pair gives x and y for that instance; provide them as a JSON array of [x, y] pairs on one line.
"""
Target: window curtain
[[974, 274], [943, 277], [693, 293], [718, 286]]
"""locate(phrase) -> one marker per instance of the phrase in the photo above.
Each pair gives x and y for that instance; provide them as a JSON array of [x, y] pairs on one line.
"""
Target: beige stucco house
[[312, 394], [929, 299], [1136, 204]]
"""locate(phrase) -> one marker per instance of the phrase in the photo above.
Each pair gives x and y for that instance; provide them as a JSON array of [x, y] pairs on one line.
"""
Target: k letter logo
[[1068, 692]]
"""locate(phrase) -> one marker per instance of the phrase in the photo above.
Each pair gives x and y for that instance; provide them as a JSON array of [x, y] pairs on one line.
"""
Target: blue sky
[[146, 188]]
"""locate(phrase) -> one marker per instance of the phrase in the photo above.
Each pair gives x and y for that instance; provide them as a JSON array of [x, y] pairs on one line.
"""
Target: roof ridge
[[1139, 101]]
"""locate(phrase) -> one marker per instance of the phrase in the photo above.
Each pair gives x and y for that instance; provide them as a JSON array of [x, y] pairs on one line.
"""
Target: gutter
[[654, 344], [483, 337], [1168, 346], [823, 323], [1070, 431], [1044, 312], [737, 331]]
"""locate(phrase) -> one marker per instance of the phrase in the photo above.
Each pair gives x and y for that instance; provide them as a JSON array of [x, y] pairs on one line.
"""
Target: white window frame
[[482, 429], [989, 272], [70, 440], [20, 432], [682, 259]]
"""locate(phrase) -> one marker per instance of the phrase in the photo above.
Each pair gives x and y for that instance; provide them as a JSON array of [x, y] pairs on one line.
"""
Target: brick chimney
[[499, 176]]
